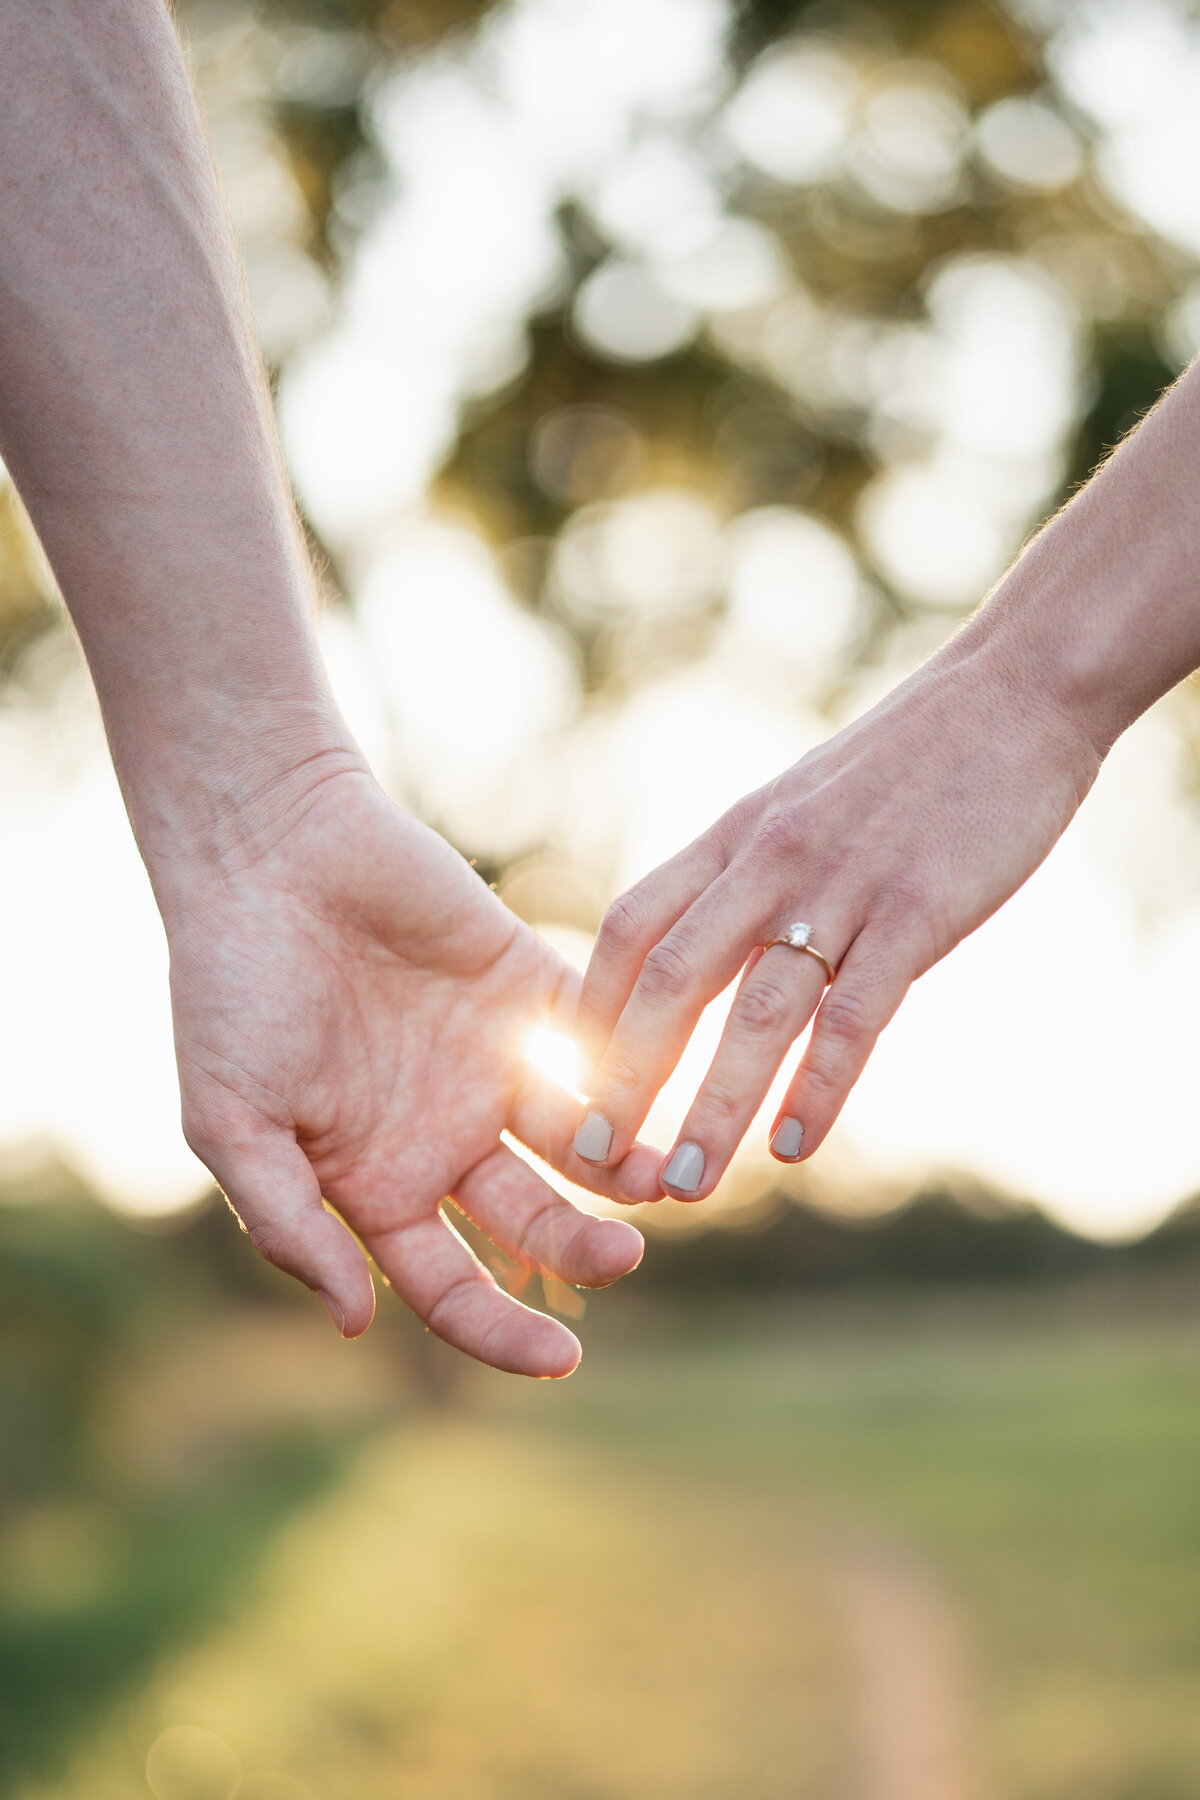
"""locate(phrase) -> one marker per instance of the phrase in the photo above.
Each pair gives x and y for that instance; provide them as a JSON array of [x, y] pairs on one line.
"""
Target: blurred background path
[[905, 1673], [877, 1545]]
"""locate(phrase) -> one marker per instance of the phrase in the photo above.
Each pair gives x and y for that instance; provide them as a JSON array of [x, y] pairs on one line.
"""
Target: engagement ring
[[798, 936]]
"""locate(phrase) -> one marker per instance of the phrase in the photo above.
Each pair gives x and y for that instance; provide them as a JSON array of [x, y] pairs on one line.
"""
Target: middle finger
[[771, 1008], [690, 966]]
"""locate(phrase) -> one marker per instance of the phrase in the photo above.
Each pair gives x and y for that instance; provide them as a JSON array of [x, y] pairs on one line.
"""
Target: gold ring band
[[799, 937]]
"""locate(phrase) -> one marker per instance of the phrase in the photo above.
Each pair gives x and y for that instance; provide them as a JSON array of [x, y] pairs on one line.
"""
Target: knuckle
[[624, 924], [270, 1242], [844, 1018], [778, 836], [722, 1107], [821, 1075], [762, 1007], [666, 972], [619, 1073], [533, 1241], [736, 825], [902, 900], [449, 1298]]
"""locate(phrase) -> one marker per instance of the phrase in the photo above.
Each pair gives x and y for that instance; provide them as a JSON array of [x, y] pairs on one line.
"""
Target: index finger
[[679, 976], [548, 1121], [633, 924]]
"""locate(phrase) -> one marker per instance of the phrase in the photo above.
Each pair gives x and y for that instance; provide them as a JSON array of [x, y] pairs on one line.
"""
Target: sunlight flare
[[556, 1056]]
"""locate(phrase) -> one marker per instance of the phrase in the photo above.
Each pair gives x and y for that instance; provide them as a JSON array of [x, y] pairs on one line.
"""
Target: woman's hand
[[352, 1006], [892, 841]]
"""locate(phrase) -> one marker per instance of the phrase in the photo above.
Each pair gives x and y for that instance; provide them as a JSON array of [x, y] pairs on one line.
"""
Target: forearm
[[1102, 611], [135, 420]]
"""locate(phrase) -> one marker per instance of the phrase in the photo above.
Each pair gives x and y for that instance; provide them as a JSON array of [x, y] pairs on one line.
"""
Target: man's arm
[[350, 1001], [136, 423]]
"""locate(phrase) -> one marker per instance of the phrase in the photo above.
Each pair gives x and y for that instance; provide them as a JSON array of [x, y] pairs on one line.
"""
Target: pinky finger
[[855, 1010]]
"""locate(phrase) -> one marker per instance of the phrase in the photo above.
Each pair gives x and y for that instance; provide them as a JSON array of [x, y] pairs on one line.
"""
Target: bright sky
[[1052, 1054]]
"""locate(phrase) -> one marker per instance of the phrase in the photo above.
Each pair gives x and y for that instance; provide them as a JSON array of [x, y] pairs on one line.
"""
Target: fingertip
[[522, 1341], [554, 1354], [611, 1249], [357, 1323], [637, 1176], [787, 1143], [334, 1310], [351, 1313], [688, 1198], [593, 1140], [688, 1174]]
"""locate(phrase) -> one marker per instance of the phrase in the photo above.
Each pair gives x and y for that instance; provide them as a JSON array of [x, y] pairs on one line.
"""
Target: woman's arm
[[905, 831], [350, 1000]]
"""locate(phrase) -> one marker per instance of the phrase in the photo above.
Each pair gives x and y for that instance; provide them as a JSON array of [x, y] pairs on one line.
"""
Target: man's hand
[[352, 1007], [351, 1002]]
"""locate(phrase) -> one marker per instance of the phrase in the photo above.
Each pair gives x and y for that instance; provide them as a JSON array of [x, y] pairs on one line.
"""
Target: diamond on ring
[[798, 936]]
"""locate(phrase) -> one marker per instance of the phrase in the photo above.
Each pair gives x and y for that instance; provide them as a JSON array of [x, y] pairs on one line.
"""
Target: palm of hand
[[351, 1019]]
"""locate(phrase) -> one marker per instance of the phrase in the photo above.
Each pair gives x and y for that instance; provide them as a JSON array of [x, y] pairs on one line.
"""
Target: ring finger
[[699, 956], [774, 1003]]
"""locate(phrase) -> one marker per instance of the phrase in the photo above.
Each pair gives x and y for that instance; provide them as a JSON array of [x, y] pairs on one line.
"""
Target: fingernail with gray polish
[[787, 1139], [593, 1140], [685, 1170]]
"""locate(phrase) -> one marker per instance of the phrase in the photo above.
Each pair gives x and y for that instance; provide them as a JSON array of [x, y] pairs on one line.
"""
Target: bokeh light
[[654, 413], [662, 381]]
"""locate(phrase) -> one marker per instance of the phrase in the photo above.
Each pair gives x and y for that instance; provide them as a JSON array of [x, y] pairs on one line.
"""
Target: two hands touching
[[352, 1004], [352, 1007]]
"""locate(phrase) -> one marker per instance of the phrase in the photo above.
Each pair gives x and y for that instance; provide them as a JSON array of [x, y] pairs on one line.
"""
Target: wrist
[[1053, 633], [1027, 679], [1100, 611], [204, 814]]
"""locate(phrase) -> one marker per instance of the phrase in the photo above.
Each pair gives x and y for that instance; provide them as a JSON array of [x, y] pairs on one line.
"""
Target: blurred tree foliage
[[101, 1566], [710, 416], [324, 131], [711, 412]]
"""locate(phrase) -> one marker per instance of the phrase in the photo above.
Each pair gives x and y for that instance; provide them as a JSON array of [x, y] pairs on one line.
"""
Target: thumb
[[270, 1185]]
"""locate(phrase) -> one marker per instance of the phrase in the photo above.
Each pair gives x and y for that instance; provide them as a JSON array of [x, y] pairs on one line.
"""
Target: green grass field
[[942, 1549]]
